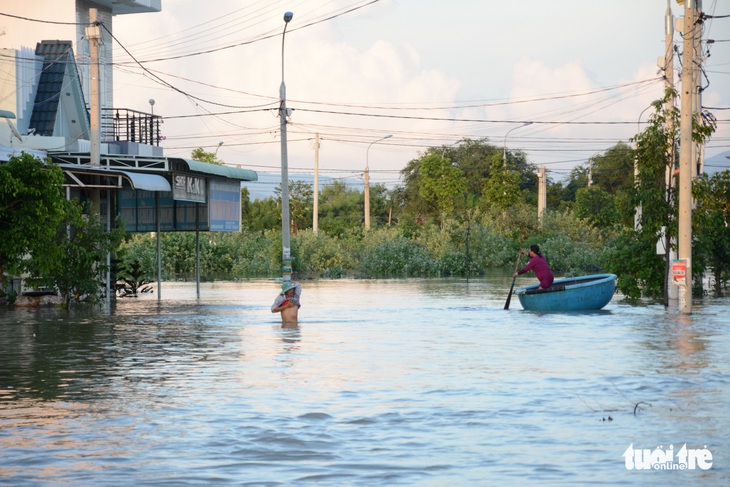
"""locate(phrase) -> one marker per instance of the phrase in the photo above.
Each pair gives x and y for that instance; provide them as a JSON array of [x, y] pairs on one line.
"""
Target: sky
[[428, 72]]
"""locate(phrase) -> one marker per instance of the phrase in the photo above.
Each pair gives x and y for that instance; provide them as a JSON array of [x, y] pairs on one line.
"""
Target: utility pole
[[685, 157], [93, 33], [698, 150], [286, 267], [541, 194], [668, 66], [315, 210]]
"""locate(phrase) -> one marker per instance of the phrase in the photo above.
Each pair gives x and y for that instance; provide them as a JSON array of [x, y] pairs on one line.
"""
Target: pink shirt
[[539, 265]]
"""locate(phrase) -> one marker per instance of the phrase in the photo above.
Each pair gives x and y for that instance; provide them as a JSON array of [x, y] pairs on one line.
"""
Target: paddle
[[509, 296]]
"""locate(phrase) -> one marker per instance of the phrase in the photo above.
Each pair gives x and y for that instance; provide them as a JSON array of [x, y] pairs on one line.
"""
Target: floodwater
[[384, 382]]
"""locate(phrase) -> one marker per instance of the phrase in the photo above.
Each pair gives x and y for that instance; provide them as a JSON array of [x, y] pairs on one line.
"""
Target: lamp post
[[638, 209], [152, 121], [285, 235], [504, 145], [216, 149], [367, 181]]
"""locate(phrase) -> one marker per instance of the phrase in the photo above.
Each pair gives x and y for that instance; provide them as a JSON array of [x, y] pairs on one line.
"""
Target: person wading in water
[[287, 302]]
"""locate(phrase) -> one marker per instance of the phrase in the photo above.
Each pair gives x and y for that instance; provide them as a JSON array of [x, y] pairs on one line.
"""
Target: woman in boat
[[538, 264], [287, 302]]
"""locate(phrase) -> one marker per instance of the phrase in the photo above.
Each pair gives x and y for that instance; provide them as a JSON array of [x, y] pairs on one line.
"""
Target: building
[[45, 109]]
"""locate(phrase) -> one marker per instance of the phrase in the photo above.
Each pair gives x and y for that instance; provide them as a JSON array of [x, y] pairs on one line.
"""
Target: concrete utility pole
[[698, 150], [315, 210], [285, 219], [541, 194], [668, 66], [93, 33], [685, 156]]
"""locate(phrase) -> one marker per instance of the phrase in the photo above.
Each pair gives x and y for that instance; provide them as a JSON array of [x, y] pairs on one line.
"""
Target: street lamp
[[504, 145], [285, 236], [216, 149], [152, 121], [367, 181], [638, 210]]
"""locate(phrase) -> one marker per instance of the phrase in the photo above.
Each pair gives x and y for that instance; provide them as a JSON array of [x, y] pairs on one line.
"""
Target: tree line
[[460, 210]]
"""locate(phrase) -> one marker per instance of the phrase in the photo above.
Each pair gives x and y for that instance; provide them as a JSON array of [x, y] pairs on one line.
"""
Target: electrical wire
[[257, 39]]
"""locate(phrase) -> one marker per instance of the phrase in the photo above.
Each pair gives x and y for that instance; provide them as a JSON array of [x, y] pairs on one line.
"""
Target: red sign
[[679, 272]]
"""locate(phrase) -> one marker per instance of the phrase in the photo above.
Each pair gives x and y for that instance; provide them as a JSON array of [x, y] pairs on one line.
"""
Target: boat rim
[[592, 280]]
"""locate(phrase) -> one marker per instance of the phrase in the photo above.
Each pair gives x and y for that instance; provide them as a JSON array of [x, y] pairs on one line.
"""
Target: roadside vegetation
[[461, 210]]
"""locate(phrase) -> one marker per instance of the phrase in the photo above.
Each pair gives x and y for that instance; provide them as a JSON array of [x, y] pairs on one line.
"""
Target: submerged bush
[[571, 245]]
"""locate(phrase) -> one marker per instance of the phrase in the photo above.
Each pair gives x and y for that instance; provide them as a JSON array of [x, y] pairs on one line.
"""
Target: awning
[[149, 182], [217, 170]]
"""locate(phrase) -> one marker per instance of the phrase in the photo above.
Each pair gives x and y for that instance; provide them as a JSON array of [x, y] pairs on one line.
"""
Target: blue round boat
[[570, 294]]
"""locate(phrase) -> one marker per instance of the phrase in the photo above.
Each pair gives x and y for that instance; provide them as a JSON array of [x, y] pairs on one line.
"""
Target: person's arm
[[280, 299], [527, 267]]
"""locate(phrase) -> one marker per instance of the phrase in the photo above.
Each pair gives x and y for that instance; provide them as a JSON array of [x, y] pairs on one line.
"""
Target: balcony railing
[[131, 126]]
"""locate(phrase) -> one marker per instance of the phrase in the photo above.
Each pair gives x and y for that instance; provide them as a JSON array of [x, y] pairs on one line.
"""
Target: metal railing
[[132, 126]]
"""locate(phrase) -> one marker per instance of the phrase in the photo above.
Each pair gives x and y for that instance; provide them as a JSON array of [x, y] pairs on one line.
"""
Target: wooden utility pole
[[685, 157]]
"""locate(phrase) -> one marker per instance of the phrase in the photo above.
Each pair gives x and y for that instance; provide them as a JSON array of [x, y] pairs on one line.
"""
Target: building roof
[[147, 182], [217, 170], [118, 7], [59, 75], [157, 165]]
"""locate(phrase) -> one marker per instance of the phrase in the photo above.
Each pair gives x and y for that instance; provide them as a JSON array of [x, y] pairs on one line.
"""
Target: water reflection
[[422, 382], [688, 344], [677, 343]]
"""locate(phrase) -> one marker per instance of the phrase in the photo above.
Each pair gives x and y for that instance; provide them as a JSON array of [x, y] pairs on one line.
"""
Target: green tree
[[408, 196], [380, 205], [201, 155], [260, 215], [32, 205], [502, 189], [301, 204], [441, 184], [635, 261], [711, 228], [78, 254], [341, 210], [596, 206], [613, 170], [474, 159], [578, 179], [137, 261]]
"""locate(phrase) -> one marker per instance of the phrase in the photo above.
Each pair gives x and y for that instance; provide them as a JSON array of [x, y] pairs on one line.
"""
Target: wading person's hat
[[287, 285]]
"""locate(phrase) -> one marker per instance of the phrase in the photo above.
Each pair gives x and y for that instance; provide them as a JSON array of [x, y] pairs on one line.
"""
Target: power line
[[268, 36], [472, 120], [41, 21]]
